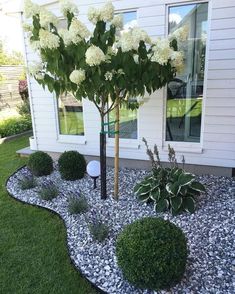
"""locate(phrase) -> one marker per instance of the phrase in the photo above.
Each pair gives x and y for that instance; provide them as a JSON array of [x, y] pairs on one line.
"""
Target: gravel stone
[[210, 230]]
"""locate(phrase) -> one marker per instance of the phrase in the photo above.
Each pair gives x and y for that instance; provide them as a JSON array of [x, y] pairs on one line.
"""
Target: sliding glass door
[[185, 91]]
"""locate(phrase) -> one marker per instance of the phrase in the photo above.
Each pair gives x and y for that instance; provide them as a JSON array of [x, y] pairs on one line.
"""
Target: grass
[[181, 107], [33, 254]]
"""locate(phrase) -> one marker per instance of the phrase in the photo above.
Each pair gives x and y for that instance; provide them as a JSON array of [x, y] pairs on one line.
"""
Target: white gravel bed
[[210, 230]]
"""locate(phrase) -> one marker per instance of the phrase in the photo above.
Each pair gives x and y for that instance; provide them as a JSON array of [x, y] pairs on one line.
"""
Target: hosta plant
[[170, 188]]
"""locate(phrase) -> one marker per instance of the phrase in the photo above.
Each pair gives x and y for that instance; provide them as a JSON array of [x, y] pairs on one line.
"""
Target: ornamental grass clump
[[40, 164], [152, 253], [170, 188], [27, 182], [48, 191], [98, 229], [77, 204], [72, 165]]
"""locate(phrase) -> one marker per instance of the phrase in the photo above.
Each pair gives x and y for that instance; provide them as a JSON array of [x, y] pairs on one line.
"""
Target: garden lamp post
[[93, 170]]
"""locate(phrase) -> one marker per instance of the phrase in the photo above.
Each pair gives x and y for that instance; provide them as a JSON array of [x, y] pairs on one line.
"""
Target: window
[[70, 115], [128, 118], [185, 91]]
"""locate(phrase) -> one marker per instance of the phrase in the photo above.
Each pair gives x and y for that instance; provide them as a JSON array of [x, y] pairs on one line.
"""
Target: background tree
[[10, 58], [108, 66]]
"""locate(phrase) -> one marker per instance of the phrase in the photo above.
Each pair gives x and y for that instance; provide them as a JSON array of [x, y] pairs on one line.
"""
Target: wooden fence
[[9, 83]]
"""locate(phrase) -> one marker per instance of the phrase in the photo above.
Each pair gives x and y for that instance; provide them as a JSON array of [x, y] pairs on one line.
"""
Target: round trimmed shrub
[[40, 164], [152, 253], [72, 165]]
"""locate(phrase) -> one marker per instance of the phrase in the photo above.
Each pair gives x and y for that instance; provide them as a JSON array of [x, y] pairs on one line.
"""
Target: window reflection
[[185, 91]]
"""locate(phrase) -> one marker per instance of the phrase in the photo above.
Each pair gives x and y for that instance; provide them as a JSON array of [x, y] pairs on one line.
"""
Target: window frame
[[194, 147], [125, 142], [62, 138]]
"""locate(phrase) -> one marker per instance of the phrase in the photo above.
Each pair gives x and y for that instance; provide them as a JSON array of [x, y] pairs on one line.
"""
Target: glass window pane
[[70, 113], [128, 118], [185, 91]]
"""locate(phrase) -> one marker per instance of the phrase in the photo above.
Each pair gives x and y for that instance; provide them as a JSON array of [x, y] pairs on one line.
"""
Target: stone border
[[10, 138], [55, 213]]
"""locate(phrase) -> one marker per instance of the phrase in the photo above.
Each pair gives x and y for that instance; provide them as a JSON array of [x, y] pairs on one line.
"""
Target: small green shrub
[[27, 182], [48, 191], [24, 109], [72, 165], [98, 230], [40, 163], [152, 253], [77, 205], [14, 126], [170, 188]]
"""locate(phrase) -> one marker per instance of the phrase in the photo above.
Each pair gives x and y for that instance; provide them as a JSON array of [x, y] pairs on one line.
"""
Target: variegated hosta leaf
[[144, 190], [155, 194], [143, 197], [137, 187], [161, 205], [185, 179], [189, 204], [173, 188], [197, 187], [176, 202]]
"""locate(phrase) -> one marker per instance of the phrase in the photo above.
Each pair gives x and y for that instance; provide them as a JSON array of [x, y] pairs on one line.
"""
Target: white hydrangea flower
[[118, 22], [35, 45], [108, 76], [180, 34], [140, 35], [64, 34], [106, 13], [48, 40], [136, 58], [68, 6], [30, 8], [177, 60], [161, 51], [94, 55], [126, 41], [35, 70], [78, 31], [47, 17], [120, 71], [27, 27], [93, 15], [77, 76]]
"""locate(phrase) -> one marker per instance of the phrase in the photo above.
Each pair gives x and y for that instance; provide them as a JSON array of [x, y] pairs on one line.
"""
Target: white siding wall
[[218, 133]]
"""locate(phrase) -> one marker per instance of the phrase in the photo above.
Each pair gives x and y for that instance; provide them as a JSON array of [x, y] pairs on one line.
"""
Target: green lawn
[[181, 107], [33, 254]]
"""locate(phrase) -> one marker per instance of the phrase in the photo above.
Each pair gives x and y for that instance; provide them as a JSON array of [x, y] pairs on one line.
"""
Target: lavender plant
[[27, 182], [48, 190], [77, 203]]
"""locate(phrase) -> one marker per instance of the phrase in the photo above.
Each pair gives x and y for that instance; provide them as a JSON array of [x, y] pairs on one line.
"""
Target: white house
[[196, 112]]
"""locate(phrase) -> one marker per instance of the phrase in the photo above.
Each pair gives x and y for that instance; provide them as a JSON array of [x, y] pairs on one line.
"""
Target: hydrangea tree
[[108, 66]]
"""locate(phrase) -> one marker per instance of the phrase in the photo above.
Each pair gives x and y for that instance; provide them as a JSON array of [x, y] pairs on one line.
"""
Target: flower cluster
[[46, 17], [66, 6], [35, 45], [30, 9], [130, 40], [27, 27], [94, 55], [161, 51], [108, 76], [77, 76], [118, 22], [78, 31], [35, 70], [48, 40], [105, 14], [180, 34], [177, 60], [64, 34]]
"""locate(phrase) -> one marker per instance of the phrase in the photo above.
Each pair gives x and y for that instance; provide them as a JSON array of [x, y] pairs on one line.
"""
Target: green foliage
[[48, 191], [77, 205], [6, 58], [24, 109], [27, 182], [72, 165], [170, 188], [14, 126], [40, 163], [152, 253], [99, 231]]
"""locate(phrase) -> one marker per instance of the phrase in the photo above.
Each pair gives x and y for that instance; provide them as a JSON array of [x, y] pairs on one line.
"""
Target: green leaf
[[137, 187], [173, 188], [143, 197], [161, 205], [197, 187], [176, 202], [155, 194], [185, 179], [189, 204]]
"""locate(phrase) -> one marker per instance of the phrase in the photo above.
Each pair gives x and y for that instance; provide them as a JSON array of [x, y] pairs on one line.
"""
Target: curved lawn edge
[[55, 213]]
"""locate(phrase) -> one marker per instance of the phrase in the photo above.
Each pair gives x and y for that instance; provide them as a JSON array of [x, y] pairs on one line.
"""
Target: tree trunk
[[116, 160], [103, 159]]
